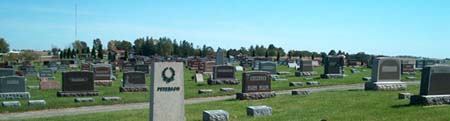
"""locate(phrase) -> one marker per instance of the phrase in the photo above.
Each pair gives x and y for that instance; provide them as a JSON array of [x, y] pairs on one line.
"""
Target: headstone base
[[331, 76], [15, 95], [255, 95], [78, 100], [134, 89], [405, 95], [215, 115], [296, 84], [301, 92], [11, 104], [36, 102], [205, 91], [110, 99], [103, 82], [385, 86], [227, 89], [298, 73], [77, 94], [430, 99], [223, 81]]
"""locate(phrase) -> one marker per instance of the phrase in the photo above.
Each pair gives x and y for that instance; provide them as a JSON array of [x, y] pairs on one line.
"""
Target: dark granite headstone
[[435, 80], [13, 87], [102, 72], [386, 75], [223, 74], [133, 82], [306, 66], [256, 81], [128, 67], [333, 67], [77, 83]]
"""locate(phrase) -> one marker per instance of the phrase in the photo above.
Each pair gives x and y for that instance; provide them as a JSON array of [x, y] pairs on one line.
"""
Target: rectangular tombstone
[[306, 66], [134, 82], [167, 92], [78, 81], [386, 70], [407, 68], [12, 84], [62, 68], [7, 72], [270, 67], [199, 78], [102, 72], [435, 80], [142, 68], [334, 65], [128, 67], [86, 67], [209, 66], [30, 71], [224, 72], [46, 73], [256, 81]]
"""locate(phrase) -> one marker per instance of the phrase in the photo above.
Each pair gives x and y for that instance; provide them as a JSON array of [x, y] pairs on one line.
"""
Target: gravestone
[[270, 67], [53, 65], [77, 83], [215, 115], [46, 84], [102, 74], [133, 82], [167, 92], [63, 68], [47, 73], [306, 68], [142, 68], [223, 74], [256, 85], [13, 87], [199, 78], [256, 64], [127, 67], [85, 67], [408, 69], [220, 57], [434, 86], [333, 67], [30, 71], [7, 72], [239, 68], [386, 75], [208, 66]]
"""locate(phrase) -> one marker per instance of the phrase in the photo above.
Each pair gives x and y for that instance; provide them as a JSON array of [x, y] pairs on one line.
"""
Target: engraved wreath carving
[[172, 74]]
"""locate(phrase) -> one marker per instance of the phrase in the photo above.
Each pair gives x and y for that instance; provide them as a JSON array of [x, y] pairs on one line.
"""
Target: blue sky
[[389, 27]]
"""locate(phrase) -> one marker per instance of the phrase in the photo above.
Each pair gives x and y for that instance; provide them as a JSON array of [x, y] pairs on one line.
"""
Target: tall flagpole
[[76, 23]]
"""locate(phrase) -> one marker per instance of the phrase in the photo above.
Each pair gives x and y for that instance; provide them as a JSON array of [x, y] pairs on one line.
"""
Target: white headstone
[[239, 68], [167, 92], [199, 78], [292, 65]]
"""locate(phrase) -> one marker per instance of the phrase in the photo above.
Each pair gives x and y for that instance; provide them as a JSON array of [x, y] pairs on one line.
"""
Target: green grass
[[354, 105], [191, 89]]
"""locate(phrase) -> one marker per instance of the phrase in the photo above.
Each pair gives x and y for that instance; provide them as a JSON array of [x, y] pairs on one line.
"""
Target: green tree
[[93, 55], [4, 46], [100, 52], [332, 52]]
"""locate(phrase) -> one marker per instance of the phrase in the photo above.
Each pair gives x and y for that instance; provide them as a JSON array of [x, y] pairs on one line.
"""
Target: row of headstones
[[43, 102], [434, 85]]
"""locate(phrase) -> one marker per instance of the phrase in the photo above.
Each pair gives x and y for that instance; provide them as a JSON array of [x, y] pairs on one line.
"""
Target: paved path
[[132, 106]]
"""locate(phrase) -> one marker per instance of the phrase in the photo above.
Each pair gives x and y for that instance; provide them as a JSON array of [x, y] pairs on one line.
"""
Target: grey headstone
[[227, 89], [11, 104], [215, 115], [270, 67], [295, 84], [167, 92], [7, 72], [435, 80], [205, 91], [36, 102], [258, 111], [84, 100], [220, 57], [313, 83], [301, 92], [108, 99], [199, 78], [12, 84], [239, 68]]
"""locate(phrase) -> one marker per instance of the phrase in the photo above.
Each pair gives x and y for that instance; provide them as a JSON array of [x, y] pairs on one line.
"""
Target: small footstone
[[36, 102], [108, 99], [405, 95], [313, 83], [301, 92], [84, 100], [33, 87], [410, 77], [227, 89], [215, 115], [205, 91], [296, 84], [257, 111], [11, 104]]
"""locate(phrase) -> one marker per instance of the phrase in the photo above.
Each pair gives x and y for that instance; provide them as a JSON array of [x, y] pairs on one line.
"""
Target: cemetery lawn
[[356, 105], [191, 89]]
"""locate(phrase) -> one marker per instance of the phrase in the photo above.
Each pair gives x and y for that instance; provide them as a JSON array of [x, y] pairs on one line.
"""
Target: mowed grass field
[[191, 89], [355, 105]]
